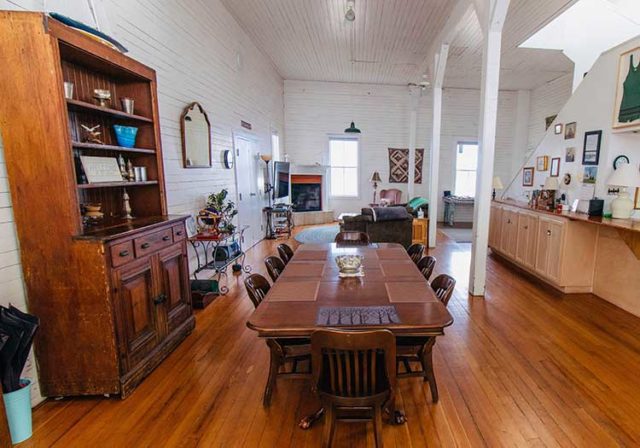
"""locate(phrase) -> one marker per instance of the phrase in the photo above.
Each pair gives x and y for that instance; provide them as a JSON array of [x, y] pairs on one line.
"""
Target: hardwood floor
[[526, 366]]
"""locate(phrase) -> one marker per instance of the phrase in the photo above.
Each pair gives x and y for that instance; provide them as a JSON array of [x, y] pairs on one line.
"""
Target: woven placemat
[[410, 292], [357, 315], [303, 291]]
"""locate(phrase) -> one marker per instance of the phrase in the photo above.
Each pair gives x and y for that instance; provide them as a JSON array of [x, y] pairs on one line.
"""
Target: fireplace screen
[[306, 197]]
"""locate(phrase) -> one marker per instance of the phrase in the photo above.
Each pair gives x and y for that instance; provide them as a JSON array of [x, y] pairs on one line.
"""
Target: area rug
[[458, 235], [318, 235]]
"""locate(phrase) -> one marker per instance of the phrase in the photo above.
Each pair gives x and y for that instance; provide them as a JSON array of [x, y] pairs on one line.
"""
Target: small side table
[[420, 232]]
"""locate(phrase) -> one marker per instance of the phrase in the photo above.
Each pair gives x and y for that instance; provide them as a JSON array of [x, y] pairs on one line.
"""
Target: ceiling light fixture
[[350, 13]]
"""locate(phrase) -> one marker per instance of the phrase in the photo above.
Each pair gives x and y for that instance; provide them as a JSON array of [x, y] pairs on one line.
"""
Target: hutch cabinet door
[[555, 233], [495, 225], [137, 320], [174, 286]]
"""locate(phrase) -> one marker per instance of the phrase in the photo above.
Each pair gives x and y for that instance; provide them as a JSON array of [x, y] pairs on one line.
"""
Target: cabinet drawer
[[153, 242], [179, 233], [121, 253]]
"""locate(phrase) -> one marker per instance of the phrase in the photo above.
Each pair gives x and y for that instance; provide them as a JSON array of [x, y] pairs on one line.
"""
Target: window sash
[[344, 167]]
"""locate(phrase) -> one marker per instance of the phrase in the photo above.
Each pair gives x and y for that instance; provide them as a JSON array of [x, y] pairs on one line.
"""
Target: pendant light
[[352, 129]]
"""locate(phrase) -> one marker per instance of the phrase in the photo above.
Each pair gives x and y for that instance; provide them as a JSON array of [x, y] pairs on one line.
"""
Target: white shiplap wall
[[315, 109], [546, 100], [200, 54]]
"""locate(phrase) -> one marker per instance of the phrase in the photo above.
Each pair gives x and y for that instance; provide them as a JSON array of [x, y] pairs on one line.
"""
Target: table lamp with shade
[[497, 185], [551, 185], [625, 176], [375, 178]]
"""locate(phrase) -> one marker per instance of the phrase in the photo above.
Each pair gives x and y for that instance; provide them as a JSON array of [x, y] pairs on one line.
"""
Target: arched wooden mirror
[[196, 137]]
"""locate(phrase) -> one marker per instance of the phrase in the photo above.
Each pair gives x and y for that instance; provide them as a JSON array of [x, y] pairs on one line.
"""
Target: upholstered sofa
[[380, 227]]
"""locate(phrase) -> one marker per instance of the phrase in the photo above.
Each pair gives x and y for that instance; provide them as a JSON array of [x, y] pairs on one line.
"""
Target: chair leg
[[329, 425], [427, 365], [274, 368], [377, 426]]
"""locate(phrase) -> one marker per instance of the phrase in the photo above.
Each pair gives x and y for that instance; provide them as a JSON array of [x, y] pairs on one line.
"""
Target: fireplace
[[306, 192]]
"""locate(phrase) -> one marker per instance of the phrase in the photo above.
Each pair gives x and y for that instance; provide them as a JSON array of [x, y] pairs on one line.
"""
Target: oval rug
[[318, 235]]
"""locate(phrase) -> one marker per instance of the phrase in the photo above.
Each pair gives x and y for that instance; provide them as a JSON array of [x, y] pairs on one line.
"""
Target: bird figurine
[[93, 134]]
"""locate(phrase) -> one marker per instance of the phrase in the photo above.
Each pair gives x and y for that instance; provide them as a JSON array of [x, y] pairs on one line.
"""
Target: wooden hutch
[[113, 298]]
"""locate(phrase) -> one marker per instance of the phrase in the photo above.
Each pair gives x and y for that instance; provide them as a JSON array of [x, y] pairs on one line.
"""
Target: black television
[[280, 180]]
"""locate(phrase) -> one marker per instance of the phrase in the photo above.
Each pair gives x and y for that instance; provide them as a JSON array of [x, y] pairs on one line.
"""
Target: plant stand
[[213, 245]]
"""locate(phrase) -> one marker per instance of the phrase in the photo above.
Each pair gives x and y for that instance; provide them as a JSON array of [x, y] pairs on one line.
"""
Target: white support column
[[414, 98], [434, 165], [495, 12]]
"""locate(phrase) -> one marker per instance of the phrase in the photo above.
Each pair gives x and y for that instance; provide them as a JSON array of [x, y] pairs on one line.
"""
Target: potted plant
[[225, 209]]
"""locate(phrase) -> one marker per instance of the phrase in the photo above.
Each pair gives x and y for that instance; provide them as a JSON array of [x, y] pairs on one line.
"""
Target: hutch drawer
[[121, 253], [153, 242], [179, 233]]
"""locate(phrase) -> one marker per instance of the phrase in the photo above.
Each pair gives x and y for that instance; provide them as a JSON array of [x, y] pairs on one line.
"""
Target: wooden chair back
[[352, 238], [415, 251], [426, 266], [275, 266], [257, 287], [443, 285], [285, 252], [393, 195], [353, 364]]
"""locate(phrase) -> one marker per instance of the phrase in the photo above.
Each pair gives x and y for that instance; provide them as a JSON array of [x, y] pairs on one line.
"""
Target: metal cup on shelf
[[127, 104], [140, 173], [68, 90]]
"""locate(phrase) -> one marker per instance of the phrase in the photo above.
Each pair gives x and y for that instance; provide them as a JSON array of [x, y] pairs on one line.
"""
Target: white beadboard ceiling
[[389, 41]]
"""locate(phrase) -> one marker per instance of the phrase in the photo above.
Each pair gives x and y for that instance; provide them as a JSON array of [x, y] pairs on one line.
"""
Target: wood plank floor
[[526, 366]]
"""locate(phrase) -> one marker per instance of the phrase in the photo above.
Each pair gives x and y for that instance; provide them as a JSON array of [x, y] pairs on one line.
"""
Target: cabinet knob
[[166, 238], [124, 253], [179, 232], [549, 232], [526, 227], [160, 299], [145, 245]]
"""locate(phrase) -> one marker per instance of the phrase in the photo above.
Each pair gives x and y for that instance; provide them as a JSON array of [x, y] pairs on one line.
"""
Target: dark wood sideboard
[[113, 297]]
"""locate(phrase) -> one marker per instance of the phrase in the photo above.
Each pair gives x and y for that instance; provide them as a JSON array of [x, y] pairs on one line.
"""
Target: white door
[[249, 182]]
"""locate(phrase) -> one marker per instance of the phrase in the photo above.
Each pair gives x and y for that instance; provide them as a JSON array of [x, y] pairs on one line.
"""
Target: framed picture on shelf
[[555, 167], [626, 112], [558, 129], [570, 155], [527, 176], [591, 152], [542, 163], [570, 130], [101, 169]]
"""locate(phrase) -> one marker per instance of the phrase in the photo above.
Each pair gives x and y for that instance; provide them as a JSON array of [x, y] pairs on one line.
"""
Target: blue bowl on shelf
[[126, 135]]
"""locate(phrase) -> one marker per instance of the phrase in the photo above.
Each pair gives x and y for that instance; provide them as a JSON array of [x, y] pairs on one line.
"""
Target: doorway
[[249, 188]]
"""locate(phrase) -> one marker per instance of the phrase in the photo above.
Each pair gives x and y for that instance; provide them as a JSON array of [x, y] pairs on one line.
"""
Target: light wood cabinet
[[549, 248], [557, 250], [495, 225], [527, 239]]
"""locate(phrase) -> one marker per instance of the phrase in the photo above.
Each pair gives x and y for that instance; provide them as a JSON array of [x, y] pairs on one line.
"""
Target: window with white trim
[[466, 169], [343, 162], [275, 145]]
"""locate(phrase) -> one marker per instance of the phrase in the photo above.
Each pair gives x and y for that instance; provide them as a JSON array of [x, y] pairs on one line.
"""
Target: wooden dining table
[[310, 295]]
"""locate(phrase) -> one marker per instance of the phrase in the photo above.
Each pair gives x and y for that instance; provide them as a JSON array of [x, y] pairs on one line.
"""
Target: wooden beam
[[487, 140]]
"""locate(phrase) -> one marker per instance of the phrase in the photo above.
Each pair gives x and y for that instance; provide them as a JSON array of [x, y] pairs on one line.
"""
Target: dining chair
[[426, 265], [352, 238], [415, 252], [353, 371], [420, 348], [284, 353], [275, 266], [285, 252]]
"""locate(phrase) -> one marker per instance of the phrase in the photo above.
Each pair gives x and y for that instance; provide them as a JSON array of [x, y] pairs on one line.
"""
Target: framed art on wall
[[570, 155], [527, 176], [570, 130], [590, 175], [591, 152], [626, 113], [555, 167], [558, 129], [542, 163]]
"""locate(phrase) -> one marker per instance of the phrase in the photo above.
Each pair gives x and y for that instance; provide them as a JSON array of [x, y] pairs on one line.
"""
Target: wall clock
[[619, 161], [227, 159]]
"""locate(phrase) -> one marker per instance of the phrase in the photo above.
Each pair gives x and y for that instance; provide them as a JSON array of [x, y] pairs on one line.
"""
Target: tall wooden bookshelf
[[113, 296]]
